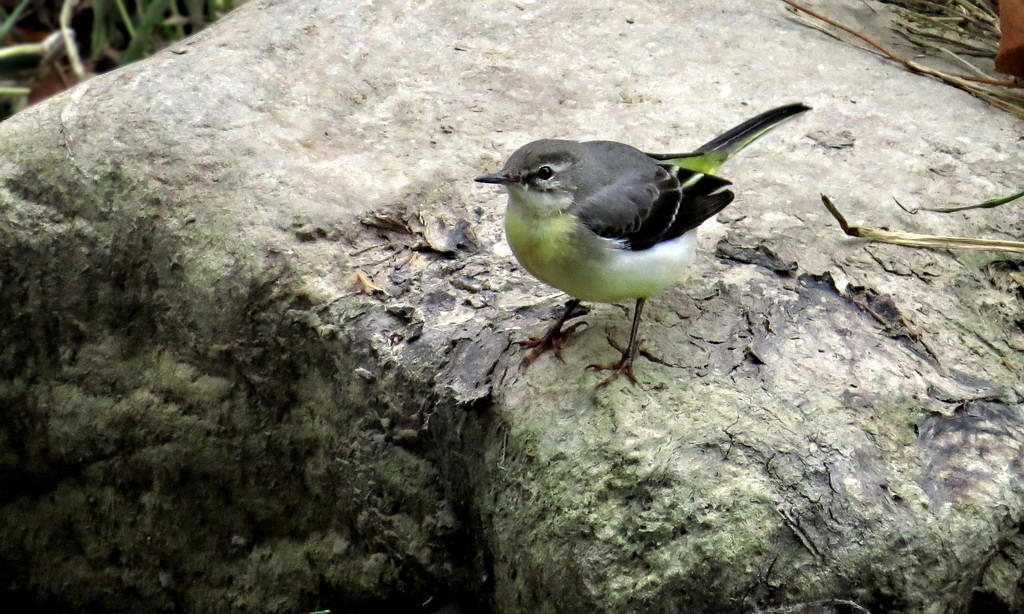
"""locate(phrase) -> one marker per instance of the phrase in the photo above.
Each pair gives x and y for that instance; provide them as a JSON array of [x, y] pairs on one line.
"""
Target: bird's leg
[[554, 339], [625, 364]]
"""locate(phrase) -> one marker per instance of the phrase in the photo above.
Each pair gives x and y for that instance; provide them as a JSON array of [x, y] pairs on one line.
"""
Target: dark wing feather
[[703, 196], [658, 205]]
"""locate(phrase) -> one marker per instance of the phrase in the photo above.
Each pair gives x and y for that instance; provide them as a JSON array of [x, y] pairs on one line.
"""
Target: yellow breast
[[540, 244]]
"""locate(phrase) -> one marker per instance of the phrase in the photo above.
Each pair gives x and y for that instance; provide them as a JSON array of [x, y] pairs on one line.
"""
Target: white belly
[[641, 274]]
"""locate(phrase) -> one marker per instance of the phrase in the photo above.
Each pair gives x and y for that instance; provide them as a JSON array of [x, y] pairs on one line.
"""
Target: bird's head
[[541, 173]]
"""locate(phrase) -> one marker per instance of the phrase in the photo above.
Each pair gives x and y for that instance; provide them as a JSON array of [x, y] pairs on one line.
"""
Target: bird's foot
[[554, 340], [640, 351], [625, 364], [623, 367]]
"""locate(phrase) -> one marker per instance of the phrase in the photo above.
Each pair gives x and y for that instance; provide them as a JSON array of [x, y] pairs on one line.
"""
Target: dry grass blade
[[1005, 94], [915, 240], [970, 25], [66, 12]]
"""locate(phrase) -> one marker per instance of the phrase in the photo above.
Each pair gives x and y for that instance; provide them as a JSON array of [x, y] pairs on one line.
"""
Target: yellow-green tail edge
[[709, 157]]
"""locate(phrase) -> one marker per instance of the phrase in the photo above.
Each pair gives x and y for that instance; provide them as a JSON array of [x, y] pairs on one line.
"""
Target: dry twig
[[917, 240]]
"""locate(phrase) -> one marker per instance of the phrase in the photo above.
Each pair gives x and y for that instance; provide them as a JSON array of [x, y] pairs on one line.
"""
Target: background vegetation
[[50, 45]]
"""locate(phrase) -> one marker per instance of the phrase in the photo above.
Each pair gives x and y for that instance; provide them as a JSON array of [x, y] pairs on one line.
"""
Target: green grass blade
[[151, 20], [5, 27], [988, 204]]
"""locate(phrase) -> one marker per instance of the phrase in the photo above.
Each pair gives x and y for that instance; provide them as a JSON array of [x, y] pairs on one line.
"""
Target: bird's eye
[[545, 172]]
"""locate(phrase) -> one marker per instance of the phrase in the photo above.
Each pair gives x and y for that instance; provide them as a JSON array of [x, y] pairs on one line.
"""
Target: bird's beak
[[498, 178]]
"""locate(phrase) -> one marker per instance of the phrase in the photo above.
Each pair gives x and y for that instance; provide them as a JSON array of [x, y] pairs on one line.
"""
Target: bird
[[606, 222]]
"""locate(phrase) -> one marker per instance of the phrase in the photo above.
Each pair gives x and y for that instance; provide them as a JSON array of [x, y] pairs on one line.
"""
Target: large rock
[[203, 409]]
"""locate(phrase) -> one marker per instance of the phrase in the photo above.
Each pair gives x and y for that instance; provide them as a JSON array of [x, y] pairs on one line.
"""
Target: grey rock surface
[[257, 328]]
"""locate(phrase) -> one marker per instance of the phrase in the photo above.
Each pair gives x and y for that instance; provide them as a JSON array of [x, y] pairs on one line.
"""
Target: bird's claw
[[623, 367], [625, 364], [554, 340], [640, 351]]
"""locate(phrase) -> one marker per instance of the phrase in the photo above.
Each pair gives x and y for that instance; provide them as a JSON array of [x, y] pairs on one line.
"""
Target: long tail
[[710, 156]]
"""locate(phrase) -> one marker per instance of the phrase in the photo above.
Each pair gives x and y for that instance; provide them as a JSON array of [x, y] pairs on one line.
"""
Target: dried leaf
[[366, 284]]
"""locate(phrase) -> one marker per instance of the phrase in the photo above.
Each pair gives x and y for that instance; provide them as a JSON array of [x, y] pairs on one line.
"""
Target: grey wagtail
[[604, 221]]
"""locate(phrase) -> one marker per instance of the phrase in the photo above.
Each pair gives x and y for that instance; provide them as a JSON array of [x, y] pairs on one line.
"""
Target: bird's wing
[[657, 204]]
